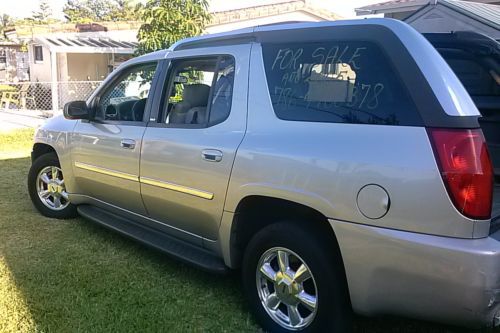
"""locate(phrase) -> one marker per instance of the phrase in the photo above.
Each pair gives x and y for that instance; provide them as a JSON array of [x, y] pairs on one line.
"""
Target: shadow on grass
[[76, 276]]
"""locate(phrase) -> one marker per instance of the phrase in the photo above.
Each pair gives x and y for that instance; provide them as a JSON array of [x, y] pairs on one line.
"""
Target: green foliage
[[86, 11], [5, 22], [76, 11], [124, 10], [43, 14], [167, 21]]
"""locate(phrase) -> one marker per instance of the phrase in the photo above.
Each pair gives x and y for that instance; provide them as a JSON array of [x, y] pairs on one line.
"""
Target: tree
[[76, 11], [85, 11], [5, 22], [167, 21], [43, 14], [125, 11]]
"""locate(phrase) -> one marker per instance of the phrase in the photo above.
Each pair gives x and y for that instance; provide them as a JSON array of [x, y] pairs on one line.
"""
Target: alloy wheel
[[286, 288], [51, 188]]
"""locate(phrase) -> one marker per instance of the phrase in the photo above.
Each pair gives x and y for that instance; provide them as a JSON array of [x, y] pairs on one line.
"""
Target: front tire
[[294, 282], [47, 189]]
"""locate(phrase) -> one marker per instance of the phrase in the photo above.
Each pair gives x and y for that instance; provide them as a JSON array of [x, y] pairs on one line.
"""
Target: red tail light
[[465, 166]]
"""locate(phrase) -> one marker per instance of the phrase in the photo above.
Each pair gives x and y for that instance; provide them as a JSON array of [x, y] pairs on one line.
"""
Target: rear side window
[[201, 91], [478, 79], [338, 82]]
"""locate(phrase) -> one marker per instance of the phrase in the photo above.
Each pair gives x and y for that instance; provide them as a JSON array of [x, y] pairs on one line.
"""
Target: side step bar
[[174, 247]]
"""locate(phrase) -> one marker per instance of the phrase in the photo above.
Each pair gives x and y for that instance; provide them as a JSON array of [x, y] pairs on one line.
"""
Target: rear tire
[[47, 189], [316, 300]]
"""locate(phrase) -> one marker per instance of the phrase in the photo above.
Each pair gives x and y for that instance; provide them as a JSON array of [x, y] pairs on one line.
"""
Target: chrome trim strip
[[105, 171], [145, 180], [177, 188]]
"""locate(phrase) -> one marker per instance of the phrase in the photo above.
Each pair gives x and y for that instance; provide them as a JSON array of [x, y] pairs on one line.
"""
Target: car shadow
[[73, 275]]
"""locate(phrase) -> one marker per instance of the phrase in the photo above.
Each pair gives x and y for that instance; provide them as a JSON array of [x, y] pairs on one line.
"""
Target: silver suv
[[340, 165]]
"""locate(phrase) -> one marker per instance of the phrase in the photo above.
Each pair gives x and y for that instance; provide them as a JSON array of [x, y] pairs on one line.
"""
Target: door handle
[[211, 155], [127, 143]]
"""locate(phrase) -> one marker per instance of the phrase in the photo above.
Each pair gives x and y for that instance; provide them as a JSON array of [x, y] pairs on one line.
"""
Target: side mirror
[[76, 110]]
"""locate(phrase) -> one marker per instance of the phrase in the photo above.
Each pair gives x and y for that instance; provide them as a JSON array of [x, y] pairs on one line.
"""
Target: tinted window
[[341, 82], [223, 91], [200, 91], [478, 74]]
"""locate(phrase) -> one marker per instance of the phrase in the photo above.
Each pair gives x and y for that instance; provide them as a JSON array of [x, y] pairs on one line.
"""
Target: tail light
[[466, 168]]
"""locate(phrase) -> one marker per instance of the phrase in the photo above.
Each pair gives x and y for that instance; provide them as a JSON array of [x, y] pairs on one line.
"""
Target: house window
[[38, 53], [3, 59]]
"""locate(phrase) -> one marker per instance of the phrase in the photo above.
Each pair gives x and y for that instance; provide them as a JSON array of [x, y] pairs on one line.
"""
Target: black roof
[[467, 40]]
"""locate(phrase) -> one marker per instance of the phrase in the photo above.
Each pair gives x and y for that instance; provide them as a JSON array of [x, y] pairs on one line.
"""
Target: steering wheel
[[111, 112]]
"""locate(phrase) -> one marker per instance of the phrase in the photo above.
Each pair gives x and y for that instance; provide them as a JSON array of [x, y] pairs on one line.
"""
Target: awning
[[78, 44]]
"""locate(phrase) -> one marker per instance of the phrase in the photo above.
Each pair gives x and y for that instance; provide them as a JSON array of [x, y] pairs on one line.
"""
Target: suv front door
[[189, 149], [106, 150]]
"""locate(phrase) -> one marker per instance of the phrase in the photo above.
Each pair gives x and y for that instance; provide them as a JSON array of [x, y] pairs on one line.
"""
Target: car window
[[126, 99], [478, 74], [341, 82], [200, 91], [223, 91]]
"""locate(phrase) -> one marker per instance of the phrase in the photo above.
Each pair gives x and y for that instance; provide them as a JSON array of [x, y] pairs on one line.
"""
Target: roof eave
[[88, 49], [390, 7], [470, 14], [361, 12]]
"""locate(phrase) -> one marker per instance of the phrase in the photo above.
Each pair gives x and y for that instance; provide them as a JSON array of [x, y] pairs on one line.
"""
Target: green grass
[[73, 276], [16, 143]]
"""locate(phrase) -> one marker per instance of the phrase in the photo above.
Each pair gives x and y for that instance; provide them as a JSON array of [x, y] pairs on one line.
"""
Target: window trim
[[117, 77], [35, 60], [158, 113]]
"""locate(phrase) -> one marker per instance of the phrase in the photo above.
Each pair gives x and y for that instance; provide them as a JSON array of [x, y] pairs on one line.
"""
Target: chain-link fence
[[41, 96]]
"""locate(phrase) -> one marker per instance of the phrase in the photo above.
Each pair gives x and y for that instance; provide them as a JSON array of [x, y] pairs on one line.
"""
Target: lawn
[[69, 276]]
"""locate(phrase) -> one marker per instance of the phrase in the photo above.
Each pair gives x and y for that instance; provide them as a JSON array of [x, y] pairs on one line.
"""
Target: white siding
[[39, 71]]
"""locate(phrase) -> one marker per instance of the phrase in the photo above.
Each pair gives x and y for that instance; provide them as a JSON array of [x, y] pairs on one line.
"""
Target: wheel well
[[256, 212], [40, 149]]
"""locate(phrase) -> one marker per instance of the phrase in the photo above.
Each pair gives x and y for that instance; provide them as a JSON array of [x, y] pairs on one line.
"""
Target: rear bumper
[[448, 280]]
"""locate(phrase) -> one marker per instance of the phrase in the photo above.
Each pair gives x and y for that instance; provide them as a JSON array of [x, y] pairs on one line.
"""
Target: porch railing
[[44, 97]]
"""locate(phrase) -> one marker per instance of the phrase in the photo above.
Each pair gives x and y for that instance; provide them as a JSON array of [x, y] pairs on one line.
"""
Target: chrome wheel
[[51, 189], [286, 288]]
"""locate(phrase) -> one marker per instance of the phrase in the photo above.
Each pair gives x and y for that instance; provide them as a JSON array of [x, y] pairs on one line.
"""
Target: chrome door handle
[[127, 143], [211, 155]]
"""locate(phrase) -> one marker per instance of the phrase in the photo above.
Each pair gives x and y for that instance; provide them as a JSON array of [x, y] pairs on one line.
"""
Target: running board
[[174, 247]]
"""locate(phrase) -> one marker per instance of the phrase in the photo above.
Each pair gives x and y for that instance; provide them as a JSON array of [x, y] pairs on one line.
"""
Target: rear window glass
[[479, 80], [340, 82]]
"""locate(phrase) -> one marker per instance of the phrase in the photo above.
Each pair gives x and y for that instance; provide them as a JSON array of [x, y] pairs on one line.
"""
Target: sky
[[345, 8]]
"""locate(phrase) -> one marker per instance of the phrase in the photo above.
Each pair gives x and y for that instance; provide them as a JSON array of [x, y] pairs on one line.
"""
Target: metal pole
[[54, 81]]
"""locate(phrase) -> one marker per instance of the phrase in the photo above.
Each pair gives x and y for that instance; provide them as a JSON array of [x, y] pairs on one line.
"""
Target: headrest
[[138, 109], [140, 104], [196, 94]]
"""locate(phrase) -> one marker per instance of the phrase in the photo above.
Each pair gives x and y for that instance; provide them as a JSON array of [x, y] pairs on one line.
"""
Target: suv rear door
[[190, 144]]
